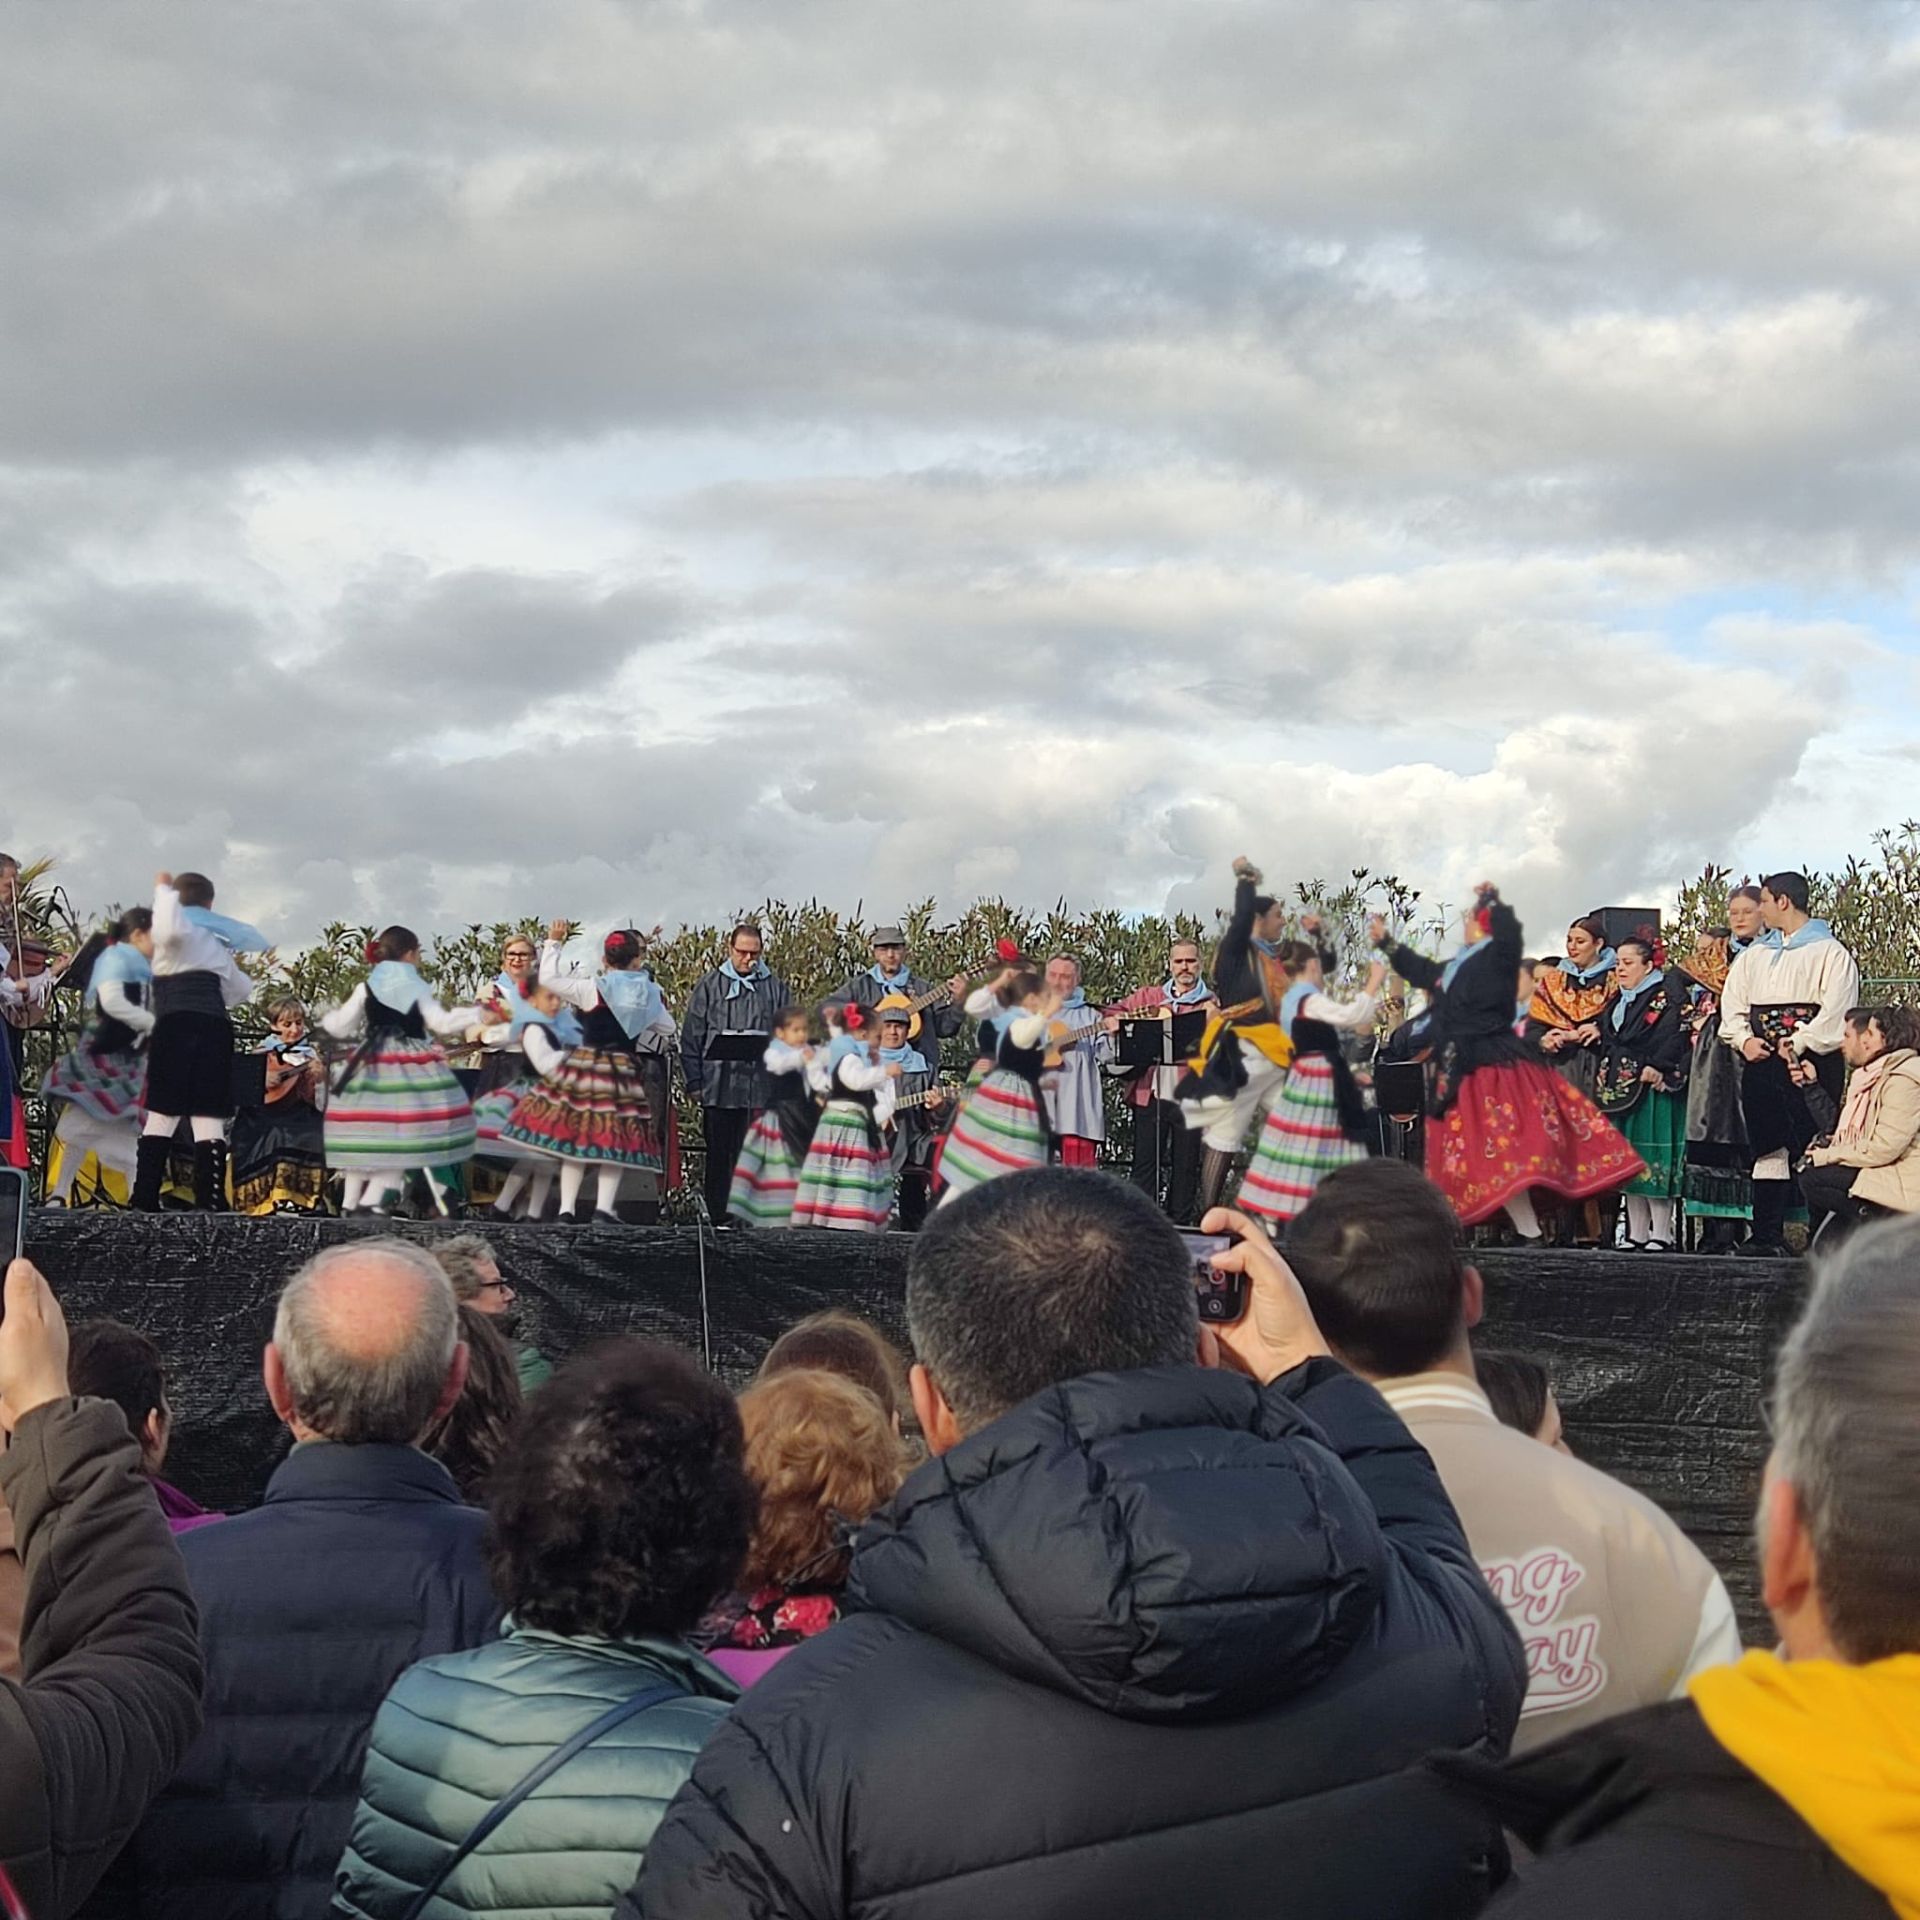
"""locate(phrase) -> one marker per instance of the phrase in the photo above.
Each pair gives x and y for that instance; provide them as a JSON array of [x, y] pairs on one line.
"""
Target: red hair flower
[[1008, 950], [855, 1017], [373, 953]]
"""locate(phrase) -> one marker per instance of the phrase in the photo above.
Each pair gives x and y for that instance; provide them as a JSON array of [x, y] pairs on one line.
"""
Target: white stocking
[[1526, 1223], [573, 1177], [161, 1123], [516, 1185], [208, 1129], [351, 1187], [607, 1184], [537, 1199], [1639, 1219]]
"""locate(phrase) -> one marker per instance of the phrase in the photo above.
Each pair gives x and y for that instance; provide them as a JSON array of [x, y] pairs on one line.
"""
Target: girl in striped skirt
[[396, 1105], [766, 1177], [1002, 1123], [847, 1179], [1317, 1121], [542, 1031], [102, 1083], [594, 1110]]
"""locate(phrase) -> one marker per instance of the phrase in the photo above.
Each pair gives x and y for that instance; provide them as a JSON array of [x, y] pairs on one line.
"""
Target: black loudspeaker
[[1622, 923]]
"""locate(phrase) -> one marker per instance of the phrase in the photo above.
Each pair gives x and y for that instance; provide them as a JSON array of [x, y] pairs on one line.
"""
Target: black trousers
[[1166, 1151], [726, 1130], [1832, 1211]]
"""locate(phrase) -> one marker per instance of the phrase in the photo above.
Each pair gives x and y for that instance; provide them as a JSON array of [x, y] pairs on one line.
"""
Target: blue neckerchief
[[844, 1047], [1603, 963], [121, 962], [397, 984], [1770, 938], [1292, 1000], [1266, 946], [235, 935], [908, 1059], [1175, 998], [633, 998], [1623, 1006], [1812, 931], [738, 983], [900, 982], [1074, 1001], [1451, 971]]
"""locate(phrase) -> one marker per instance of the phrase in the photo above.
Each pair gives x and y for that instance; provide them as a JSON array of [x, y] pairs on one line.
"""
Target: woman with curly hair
[[823, 1453], [621, 1508]]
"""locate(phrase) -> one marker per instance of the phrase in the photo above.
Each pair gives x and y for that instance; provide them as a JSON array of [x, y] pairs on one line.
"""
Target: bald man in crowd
[[361, 1560]]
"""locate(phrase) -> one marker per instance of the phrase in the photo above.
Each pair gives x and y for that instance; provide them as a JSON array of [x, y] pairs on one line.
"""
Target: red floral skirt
[[1516, 1126]]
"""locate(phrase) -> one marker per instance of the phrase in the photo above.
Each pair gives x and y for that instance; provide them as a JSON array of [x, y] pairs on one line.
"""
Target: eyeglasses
[[495, 1286]]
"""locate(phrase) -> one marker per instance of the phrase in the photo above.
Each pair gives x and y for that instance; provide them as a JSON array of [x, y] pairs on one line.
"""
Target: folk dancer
[[1500, 1122], [1566, 1010], [396, 1107], [279, 1158], [190, 1054], [1642, 1086], [101, 1084], [766, 1177], [1785, 1008], [546, 1030], [1001, 1126], [1719, 1183], [846, 1182], [1166, 1151], [914, 1136], [1317, 1121], [741, 995], [1244, 1050], [938, 1008], [595, 1110], [1081, 1040]]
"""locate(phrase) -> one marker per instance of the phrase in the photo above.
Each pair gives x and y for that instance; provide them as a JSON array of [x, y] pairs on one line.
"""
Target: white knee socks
[[573, 1176], [607, 1189], [1526, 1223]]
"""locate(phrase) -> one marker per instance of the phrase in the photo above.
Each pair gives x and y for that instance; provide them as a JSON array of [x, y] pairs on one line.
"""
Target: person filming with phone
[[1167, 1623]]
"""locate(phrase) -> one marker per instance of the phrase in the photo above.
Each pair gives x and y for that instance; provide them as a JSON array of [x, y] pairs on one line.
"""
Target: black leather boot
[[150, 1169], [210, 1176]]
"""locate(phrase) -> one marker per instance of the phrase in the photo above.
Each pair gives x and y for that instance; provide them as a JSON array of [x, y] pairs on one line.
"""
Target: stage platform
[[1660, 1361]]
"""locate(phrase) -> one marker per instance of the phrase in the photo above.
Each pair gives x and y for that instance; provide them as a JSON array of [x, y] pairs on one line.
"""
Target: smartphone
[[1223, 1296], [13, 1210]]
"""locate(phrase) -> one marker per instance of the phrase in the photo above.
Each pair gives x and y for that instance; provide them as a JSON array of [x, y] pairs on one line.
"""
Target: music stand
[[248, 1086], [743, 1046]]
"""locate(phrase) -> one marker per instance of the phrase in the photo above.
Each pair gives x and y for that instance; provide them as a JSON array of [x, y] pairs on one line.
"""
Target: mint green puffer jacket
[[457, 1732]]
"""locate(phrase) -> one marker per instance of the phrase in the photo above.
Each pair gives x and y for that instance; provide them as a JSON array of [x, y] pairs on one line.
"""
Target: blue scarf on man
[[739, 983], [1176, 998], [901, 982], [909, 1059]]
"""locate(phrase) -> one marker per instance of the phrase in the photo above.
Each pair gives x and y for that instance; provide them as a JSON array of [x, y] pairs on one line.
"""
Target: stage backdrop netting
[[1660, 1362]]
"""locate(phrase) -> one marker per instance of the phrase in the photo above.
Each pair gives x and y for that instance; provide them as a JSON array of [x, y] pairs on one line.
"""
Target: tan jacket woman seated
[[1878, 1129]]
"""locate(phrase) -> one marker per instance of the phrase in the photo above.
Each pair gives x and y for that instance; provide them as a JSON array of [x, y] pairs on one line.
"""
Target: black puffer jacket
[[1144, 1646]]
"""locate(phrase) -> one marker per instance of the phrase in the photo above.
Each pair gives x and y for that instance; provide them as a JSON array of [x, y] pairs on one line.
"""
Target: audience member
[[111, 1695], [622, 1508], [113, 1361], [845, 1344], [1520, 1391], [1617, 1607], [361, 1560], [823, 1455], [1870, 1165], [470, 1435], [1789, 1784], [469, 1263], [1143, 1638]]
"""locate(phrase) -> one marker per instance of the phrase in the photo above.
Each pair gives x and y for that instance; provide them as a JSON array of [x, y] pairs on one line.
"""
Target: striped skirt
[[594, 1110], [766, 1182], [1301, 1142], [847, 1181], [109, 1086], [999, 1129], [492, 1113], [401, 1108]]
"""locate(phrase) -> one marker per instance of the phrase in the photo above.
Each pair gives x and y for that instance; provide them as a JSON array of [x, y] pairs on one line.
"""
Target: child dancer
[[102, 1083], [545, 1033], [594, 1110], [397, 1107], [190, 1057], [1317, 1121], [1001, 1126], [279, 1150], [847, 1179], [766, 1177]]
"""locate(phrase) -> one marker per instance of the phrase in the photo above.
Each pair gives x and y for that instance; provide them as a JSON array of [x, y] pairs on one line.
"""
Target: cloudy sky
[[624, 459]]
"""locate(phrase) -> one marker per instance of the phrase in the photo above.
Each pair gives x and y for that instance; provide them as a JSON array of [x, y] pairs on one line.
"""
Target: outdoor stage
[[1660, 1361]]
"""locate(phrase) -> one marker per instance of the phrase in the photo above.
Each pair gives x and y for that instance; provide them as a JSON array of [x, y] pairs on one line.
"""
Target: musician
[[1783, 1012], [1083, 1041], [741, 995], [279, 1149], [1165, 1149], [913, 1135], [945, 1007], [190, 1057]]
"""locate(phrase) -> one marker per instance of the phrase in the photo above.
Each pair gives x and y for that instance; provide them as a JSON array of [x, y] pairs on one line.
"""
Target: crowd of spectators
[[1092, 1609]]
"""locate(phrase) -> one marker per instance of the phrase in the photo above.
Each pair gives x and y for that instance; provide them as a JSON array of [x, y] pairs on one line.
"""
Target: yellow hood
[[1841, 1745]]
